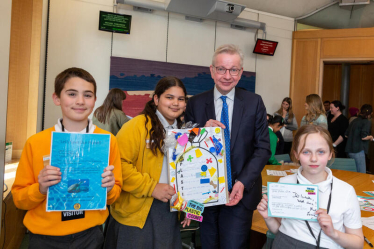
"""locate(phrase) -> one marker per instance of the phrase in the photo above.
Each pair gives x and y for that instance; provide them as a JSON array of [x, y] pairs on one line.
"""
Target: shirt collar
[[165, 123], [230, 95], [271, 128], [91, 127], [322, 186]]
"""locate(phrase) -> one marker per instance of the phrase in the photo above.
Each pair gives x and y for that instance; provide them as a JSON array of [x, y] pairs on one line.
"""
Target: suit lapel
[[236, 117], [209, 109]]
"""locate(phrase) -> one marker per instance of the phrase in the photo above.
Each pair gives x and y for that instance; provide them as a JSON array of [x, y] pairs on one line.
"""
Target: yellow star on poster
[[212, 171]]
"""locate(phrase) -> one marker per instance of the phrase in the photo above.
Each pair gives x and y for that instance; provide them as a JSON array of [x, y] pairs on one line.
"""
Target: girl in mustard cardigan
[[141, 217]]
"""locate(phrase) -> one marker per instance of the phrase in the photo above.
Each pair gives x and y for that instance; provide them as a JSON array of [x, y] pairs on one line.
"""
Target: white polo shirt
[[344, 210]]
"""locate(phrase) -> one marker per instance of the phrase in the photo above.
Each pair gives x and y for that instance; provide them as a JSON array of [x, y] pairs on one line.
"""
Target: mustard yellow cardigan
[[141, 170]]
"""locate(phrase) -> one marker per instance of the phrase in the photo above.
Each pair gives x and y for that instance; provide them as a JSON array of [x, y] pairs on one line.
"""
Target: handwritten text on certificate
[[295, 201]]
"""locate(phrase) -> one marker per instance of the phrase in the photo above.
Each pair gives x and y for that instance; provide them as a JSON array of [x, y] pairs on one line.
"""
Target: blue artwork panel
[[82, 159]]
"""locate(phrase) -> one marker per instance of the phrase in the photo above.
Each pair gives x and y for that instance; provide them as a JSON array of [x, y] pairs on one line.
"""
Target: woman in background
[[290, 123], [358, 135], [315, 111], [110, 116], [353, 111], [338, 124]]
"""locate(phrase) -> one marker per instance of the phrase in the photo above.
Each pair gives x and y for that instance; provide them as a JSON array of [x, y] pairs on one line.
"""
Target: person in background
[[280, 144], [110, 116], [338, 222], [315, 111], [326, 105], [275, 124], [337, 128], [358, 135], [353, 111], [141, 216], [290, 123]]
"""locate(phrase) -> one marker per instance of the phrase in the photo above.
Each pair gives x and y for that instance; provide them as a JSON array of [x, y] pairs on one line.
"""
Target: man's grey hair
[[228, 49]]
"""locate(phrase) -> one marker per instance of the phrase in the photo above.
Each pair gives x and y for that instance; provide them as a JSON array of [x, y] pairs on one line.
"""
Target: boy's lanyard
[[318, 241], [63, 128]]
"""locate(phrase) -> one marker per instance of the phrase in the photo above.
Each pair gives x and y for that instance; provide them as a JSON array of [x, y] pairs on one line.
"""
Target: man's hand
[[236, 194], [214, 123], [48, 176]]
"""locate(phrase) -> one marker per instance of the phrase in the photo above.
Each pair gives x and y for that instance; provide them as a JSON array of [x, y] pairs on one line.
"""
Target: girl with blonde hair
[[315, 111]]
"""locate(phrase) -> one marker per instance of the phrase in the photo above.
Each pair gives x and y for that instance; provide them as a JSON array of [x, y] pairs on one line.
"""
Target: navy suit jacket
[[250, 145]]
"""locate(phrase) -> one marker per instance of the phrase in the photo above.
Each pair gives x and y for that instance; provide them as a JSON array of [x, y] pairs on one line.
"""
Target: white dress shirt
[[218, 103], [164, 171]]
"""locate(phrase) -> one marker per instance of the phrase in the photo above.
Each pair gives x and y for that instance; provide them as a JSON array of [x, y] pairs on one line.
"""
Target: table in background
[[360, 182]]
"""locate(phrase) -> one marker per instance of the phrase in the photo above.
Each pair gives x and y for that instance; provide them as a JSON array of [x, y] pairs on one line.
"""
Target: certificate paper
[[197, 165], [294, 201], [82, 159]]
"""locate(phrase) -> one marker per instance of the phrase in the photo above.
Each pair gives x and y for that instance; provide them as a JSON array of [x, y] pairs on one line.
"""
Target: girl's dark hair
[[156, 134], [338, 104], [366, 110], [112, 101], [276, 119]]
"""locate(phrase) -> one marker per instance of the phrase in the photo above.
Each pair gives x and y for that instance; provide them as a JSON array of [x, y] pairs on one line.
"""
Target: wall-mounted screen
[[113, 22], [265, 47]]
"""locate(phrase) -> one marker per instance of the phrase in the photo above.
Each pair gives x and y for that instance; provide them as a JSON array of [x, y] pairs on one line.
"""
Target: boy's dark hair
[[69, 73], [275, 119], [327, 102], [156, 133]]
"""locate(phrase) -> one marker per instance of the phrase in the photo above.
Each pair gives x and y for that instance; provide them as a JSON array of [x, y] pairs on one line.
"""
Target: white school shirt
[[91, 127], [218, 103], [344, 210], [166, 125]]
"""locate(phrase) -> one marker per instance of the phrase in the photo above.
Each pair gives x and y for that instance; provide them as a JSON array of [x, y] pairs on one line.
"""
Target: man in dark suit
[[243, 115]]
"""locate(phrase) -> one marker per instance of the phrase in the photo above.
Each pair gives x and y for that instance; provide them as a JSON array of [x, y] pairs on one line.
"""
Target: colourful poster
[[197, 165], [82, 159]]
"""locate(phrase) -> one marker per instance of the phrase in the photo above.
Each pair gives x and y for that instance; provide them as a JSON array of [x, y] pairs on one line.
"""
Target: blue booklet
[[82, 159]]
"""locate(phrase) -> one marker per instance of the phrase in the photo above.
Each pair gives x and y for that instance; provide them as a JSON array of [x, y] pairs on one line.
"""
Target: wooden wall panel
[[331, 85], [19, 71], [361, 47], [361, 85], [24, 60], [305, 73]]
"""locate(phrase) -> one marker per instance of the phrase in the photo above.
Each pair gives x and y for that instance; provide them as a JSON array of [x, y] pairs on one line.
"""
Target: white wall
[[74, 40]]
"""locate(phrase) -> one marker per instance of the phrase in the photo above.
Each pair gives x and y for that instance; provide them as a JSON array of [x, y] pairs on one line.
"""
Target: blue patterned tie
[[225, 121]]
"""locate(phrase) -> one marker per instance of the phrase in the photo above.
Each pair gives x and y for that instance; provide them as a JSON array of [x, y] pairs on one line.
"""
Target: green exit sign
[[114, 22]]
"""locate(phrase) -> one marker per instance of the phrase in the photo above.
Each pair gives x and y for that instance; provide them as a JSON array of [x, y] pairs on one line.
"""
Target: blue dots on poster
[[204, 168]]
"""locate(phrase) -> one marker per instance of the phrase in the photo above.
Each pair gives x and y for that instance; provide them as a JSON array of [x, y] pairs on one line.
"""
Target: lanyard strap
[[63, 127], [318, 241]]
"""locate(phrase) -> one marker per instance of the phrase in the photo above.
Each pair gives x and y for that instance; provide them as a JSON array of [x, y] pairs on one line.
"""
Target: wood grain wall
[[24, 60], [312, 48]]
